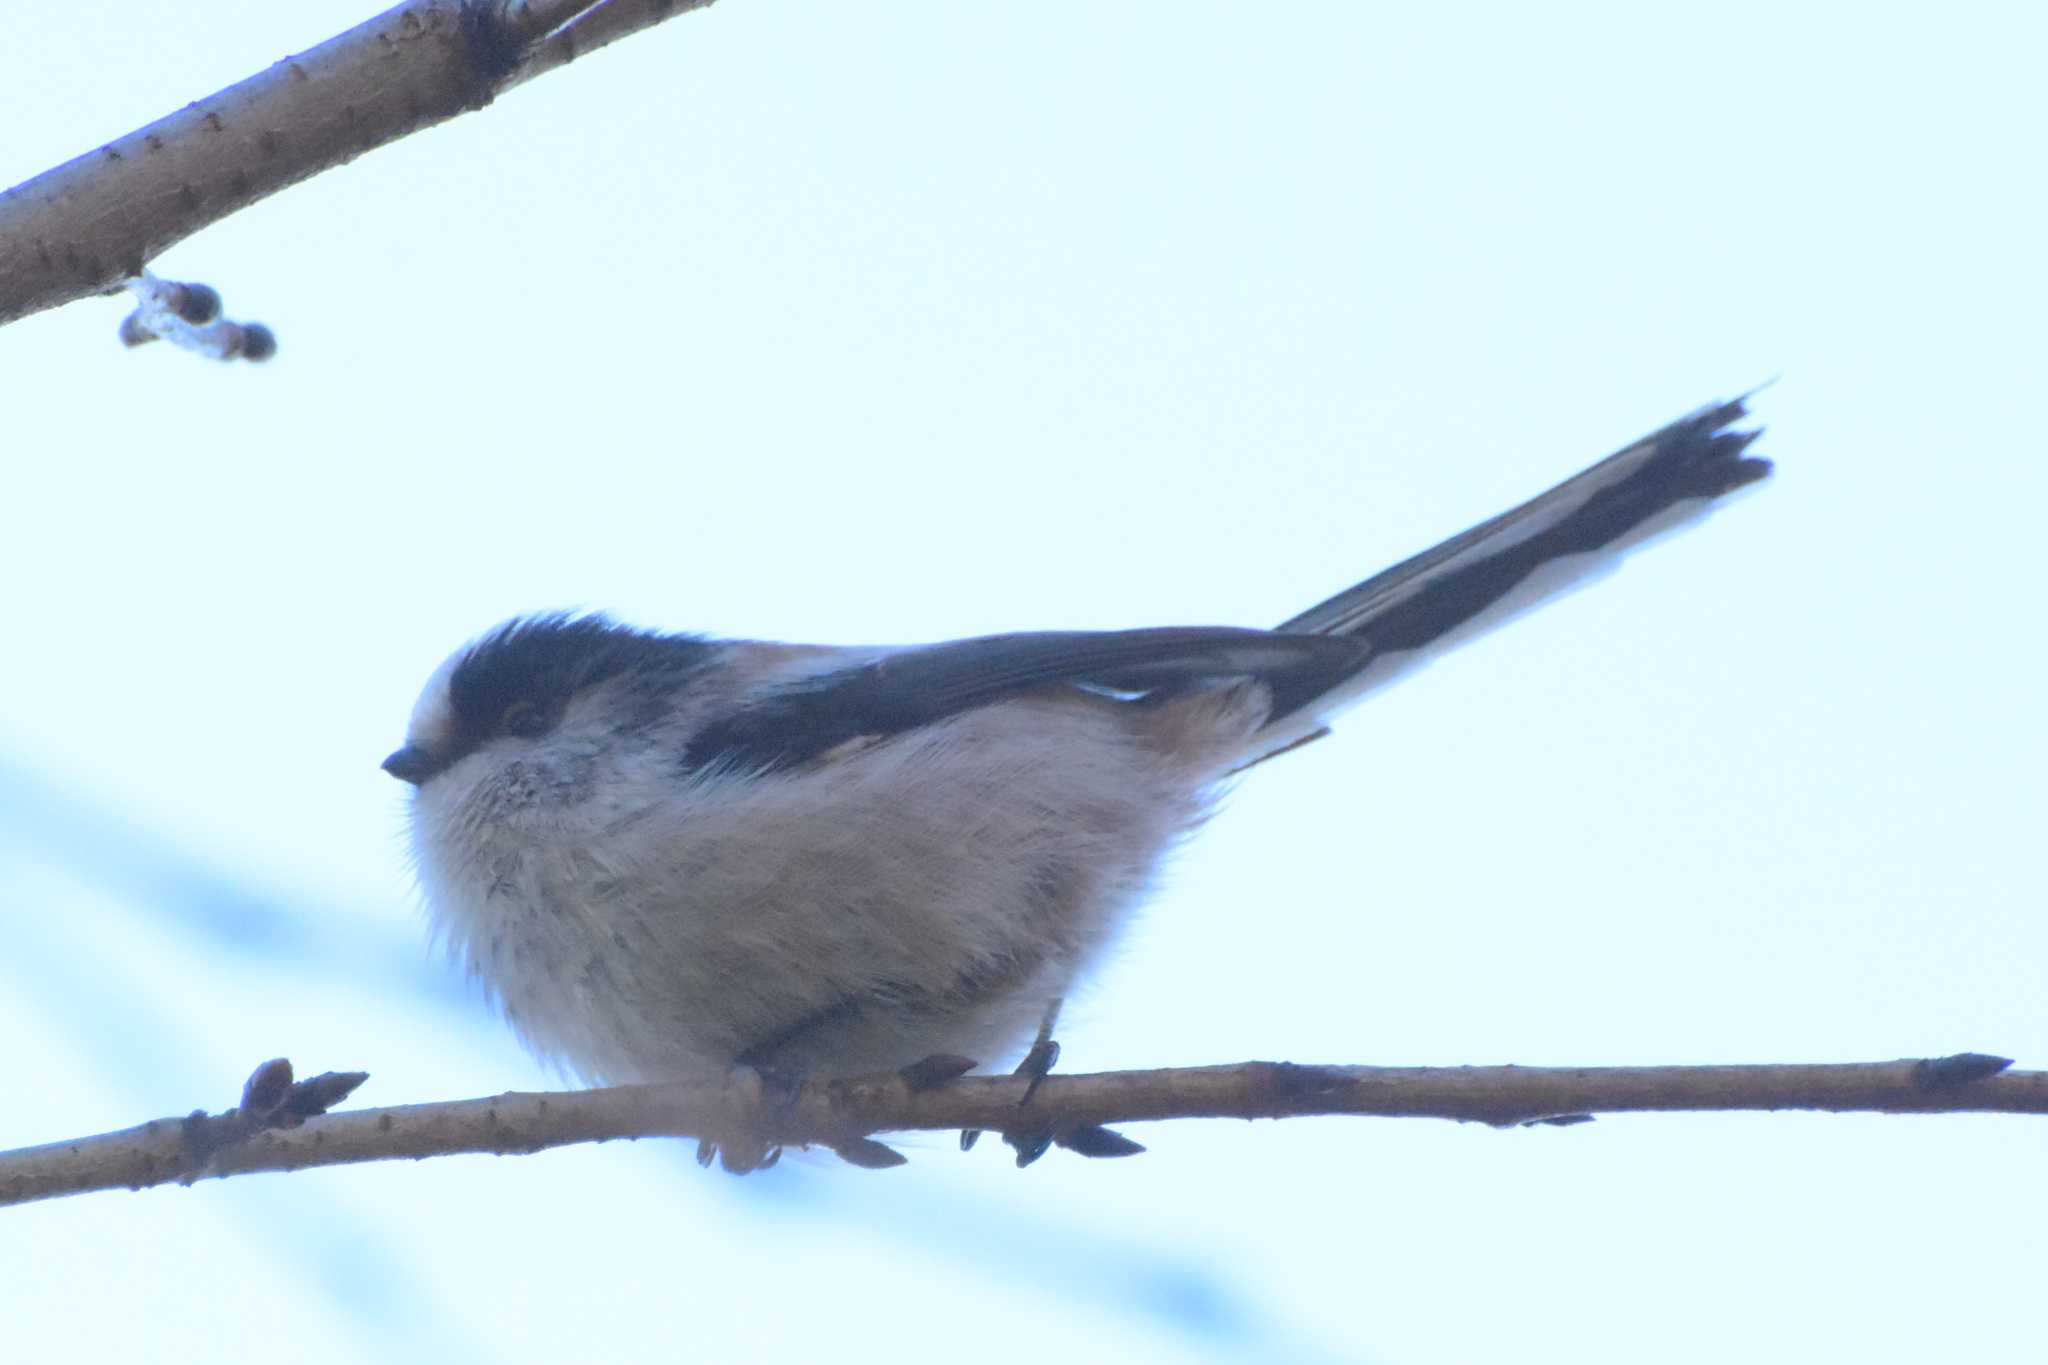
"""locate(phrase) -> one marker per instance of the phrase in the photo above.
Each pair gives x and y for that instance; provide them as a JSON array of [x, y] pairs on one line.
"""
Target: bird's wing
[[903, 689]]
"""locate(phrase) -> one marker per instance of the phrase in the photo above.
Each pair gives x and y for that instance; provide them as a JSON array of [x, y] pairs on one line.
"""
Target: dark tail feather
[[1501, 567]]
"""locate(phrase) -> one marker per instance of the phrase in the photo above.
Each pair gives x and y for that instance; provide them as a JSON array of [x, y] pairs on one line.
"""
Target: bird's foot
[[1031, 1142], [764, 1093]]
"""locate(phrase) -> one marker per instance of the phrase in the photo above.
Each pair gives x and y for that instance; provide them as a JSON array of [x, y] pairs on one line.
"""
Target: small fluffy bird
[[668, 855]]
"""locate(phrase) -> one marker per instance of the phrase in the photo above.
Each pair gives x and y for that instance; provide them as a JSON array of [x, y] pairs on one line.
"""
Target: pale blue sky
[[897, 321]]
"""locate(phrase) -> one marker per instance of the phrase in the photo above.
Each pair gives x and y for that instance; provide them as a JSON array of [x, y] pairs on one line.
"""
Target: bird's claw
[[1031, 1143]]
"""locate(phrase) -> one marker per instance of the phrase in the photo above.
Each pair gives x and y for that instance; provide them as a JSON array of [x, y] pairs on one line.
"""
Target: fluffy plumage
[[666, 854]]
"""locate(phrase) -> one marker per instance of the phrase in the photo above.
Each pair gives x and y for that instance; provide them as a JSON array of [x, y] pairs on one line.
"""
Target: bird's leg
[[1044, 1054], [1037, 1064], [1090, 1139], [1031, 1143]]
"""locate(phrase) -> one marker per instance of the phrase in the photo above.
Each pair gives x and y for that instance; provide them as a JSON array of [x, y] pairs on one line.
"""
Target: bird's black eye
[[526, 719]]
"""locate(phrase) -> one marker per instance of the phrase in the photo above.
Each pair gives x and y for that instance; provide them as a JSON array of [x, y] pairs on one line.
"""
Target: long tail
[[1550, 544]]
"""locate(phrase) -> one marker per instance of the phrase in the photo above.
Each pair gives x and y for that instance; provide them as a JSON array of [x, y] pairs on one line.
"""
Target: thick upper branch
[[98, 219]]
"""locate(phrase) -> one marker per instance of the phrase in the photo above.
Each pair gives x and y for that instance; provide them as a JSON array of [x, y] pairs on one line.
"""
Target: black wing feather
[[914, 687]]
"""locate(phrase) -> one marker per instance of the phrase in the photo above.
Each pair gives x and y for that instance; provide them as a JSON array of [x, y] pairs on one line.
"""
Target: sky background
[[898, 321]]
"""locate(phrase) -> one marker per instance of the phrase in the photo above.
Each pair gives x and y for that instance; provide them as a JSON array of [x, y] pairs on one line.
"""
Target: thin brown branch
[[97, 220], [843, 1114]]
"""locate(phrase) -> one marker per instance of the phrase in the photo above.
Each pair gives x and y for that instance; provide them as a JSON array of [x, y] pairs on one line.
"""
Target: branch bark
[[86, 226], [842, 1114]]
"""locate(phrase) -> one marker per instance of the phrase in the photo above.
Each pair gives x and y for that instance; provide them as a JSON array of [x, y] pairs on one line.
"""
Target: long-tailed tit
[[667, 855]]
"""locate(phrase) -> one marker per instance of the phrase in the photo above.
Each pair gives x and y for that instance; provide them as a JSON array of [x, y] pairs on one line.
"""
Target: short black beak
[[412, 764]]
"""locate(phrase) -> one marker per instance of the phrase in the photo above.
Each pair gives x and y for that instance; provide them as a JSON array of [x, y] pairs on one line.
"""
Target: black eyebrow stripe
[[544, 660]]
